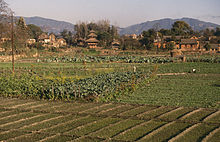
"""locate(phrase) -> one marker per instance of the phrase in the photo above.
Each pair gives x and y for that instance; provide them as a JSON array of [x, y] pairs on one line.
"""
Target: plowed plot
[[24, 120], [197, 133], [139, 131]]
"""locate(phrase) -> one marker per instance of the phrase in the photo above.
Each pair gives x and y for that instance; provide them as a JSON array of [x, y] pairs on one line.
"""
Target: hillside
[[167, 24], [49, 25]]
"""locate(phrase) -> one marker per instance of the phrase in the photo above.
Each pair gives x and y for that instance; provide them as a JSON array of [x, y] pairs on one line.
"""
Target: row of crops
[[127, 59], [103, 86]]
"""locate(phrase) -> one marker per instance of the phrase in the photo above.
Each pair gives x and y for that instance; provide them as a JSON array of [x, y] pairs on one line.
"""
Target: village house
[[132, 36], [51, 41], [44, 39], [92, 41], [80, 42], [215, 48], [61, 42], [189, 44], [31, 41], [4, 40]]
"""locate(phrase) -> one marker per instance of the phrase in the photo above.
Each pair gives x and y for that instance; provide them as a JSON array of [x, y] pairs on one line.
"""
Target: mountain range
[[50, 25], [167, 23]]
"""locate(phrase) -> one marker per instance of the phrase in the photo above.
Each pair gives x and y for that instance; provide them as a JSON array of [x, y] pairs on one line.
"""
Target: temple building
[[92, 41], [115, 44]]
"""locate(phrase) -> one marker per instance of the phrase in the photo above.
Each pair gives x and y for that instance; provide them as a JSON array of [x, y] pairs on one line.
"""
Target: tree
[[170, 45], [207, 47], [5, 11], [104, 38], [208, 33], [35, 31], [21, 35], [105, 32], [81, 30], [181, 28], [217, 31], [68, 36], [130, 43], [4, 19], [148, 38], [165, 32]]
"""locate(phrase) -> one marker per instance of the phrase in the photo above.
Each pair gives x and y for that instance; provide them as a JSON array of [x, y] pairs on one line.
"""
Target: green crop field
[[32, 120], [111, 99]]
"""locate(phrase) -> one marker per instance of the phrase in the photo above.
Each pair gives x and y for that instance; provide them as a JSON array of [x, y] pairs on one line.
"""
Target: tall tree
[[217, 32], [21, 35], [4, 19], [148, 38], [181, 28], [35, 31], [207, 33], [4, 10], [68, 36]]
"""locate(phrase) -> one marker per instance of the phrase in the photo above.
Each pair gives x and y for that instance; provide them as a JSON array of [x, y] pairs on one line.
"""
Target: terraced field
[[31, 120]]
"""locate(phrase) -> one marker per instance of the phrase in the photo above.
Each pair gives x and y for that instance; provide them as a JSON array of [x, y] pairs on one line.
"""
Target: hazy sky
[[120, 12]]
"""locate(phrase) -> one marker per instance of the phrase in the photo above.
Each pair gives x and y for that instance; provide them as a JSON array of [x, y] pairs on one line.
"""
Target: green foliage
[[103, 59], [105, 32], [130, 44], [127, 59], [207, 47], [148, 38], [181, 28], [68, 36], [103, 85], [35, 31]]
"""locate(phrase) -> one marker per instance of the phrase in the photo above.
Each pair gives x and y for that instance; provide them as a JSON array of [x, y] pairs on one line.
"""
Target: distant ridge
[[55, 26], [167, 23], [50, 25]]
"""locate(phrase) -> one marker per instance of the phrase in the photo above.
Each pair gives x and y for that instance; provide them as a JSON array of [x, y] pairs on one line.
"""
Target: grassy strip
[[215, 136], [14, 103], [63, 107], [116, 128], [86, 129], [27, 105], [175, 115], [36, 104], [75, 108], [139, 131], [31, 137], [41, 125], [137, 110], [155, 112], [59, 138], [10, 134], [42, 106], [89, 139], [16, 117], [167, 133], [214, 119], [7, 101], [71, 125], [197, 134], [116, 110], [28, 122], [98, 109], [5, 113], [198, 116]]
